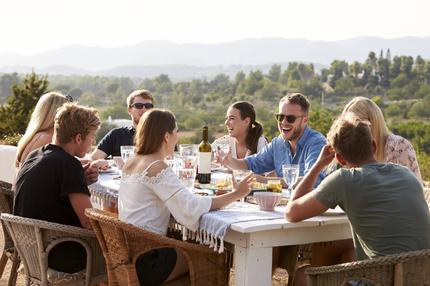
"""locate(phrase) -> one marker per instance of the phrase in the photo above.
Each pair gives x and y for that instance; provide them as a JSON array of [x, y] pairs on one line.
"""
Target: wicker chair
[[408, 268], [123, 243], [35, 238], [8, 253]]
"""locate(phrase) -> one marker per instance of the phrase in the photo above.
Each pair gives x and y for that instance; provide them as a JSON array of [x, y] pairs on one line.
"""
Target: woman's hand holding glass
[[222, 156], [243, 187]]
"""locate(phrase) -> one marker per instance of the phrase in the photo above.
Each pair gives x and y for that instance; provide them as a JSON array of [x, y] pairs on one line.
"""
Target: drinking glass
[[239, 175], [189, 162], [187, 177], [174, 163], [290, 173], [127, 151], [188, 150], [223, 148]]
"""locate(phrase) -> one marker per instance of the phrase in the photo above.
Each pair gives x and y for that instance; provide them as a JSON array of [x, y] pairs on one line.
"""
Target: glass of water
[[174, 163], [223, 148], [239, 175], [188, 150], [290, 173], [187, 177], [127, 151]]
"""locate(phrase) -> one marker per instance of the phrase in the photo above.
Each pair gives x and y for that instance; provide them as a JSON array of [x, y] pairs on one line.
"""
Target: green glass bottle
[[205, 158]]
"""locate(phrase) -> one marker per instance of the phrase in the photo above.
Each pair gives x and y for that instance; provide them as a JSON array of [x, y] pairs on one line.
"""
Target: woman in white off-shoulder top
[[150, 192]]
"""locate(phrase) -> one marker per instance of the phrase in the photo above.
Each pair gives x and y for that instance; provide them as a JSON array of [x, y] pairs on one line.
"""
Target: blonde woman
[[389, 147], [41, 126]]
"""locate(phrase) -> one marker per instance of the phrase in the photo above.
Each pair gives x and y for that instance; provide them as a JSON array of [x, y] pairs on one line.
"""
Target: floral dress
[[400, 151]]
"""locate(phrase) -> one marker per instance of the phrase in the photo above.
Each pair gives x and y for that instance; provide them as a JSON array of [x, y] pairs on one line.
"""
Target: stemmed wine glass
[[290, 172]]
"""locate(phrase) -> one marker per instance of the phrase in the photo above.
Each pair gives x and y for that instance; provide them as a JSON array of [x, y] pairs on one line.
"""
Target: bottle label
[[205, 162]]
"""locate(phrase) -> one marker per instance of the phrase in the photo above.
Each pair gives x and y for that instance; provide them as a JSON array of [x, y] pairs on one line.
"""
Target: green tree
[[419, 69], [274, 73], [395, 67], [15, 115], [355, 69], [254, 82], [338, 69], [6, 83]]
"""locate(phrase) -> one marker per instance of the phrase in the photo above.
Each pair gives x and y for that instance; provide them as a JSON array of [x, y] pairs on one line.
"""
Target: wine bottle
[[205, 157]]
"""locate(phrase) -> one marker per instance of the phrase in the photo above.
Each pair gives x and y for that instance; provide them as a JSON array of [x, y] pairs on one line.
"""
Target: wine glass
[[290, 173]]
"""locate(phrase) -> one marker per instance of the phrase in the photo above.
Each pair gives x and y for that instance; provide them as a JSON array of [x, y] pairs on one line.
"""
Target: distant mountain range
[[184, 61]]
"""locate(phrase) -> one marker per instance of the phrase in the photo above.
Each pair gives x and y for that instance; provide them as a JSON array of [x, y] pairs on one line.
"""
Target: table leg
[[253, 266]]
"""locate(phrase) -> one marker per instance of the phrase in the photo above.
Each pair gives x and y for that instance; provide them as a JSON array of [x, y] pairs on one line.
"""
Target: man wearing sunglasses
[[296, 144], [138, 102]]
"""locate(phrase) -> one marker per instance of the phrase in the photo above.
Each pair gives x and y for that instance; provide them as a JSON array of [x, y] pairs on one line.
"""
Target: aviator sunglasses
[[139, 105], [290, 118]]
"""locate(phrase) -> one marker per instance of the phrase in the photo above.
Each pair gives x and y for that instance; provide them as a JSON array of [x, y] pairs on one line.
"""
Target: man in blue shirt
[[296, 144]]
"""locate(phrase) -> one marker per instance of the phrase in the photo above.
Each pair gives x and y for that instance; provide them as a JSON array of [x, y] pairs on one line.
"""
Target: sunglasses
[[139, 105], [290, 118], [69, 98]]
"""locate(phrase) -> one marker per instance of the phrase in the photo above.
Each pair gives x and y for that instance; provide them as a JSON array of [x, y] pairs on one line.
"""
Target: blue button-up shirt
[[278, 152]]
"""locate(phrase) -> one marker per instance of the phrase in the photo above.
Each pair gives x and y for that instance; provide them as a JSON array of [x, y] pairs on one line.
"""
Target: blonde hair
[[351, 138], [367, 110], [151, 130], [72, 119], [143, 93], [42, 119]]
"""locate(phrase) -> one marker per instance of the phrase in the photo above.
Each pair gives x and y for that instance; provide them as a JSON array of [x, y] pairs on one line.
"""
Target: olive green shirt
[[385, 205]]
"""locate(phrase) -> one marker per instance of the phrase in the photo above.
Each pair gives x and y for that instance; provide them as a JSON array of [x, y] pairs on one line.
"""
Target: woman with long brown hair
[[150, 193], [245, 134]]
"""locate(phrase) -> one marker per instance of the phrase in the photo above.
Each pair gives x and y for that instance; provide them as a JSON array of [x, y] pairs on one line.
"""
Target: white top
[[262, 141], [147, 202]]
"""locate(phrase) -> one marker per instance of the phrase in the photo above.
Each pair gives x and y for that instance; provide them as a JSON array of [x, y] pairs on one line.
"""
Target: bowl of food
[[267, 200]]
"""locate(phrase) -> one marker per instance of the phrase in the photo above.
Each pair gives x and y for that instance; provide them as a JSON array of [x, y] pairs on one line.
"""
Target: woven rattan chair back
[[123, 243], [8, 253], [34, 239], [404, 269]]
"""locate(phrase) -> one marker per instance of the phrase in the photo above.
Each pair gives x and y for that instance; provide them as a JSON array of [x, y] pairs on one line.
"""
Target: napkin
[[213, 225]]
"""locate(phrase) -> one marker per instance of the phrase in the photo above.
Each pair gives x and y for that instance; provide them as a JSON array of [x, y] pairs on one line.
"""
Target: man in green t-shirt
[[384, 202]]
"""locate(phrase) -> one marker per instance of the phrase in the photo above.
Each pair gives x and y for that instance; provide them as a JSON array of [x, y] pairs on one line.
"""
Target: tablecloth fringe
[[201, 236]]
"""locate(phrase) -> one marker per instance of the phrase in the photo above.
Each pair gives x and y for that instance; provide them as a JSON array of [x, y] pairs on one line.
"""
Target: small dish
[[267, 200]]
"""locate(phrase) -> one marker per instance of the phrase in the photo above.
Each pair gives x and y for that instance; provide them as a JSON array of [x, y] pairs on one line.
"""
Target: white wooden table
[[253, 241]]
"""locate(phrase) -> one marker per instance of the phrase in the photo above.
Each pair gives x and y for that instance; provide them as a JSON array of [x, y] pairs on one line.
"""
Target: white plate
[[109, 171]]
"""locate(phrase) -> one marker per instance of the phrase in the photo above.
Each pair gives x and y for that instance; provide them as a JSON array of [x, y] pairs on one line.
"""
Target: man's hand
[[91, 173], [101, 164], [326, 156]]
